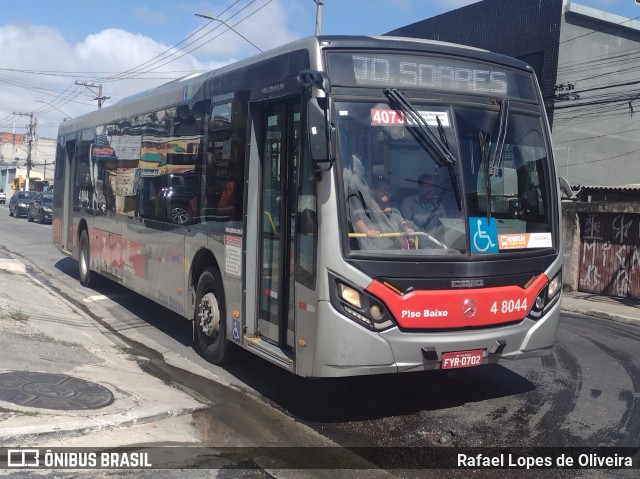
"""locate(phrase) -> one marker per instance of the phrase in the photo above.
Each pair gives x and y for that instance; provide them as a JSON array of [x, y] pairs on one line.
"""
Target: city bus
[[237, 198]]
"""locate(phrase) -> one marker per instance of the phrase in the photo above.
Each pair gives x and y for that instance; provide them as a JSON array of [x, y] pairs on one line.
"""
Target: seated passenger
[[379, 217]]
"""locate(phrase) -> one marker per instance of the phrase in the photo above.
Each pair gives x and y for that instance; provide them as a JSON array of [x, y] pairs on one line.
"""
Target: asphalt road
[[587, 394]]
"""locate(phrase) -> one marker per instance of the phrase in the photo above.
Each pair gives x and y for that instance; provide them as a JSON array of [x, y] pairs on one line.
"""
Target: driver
[[423, 208]]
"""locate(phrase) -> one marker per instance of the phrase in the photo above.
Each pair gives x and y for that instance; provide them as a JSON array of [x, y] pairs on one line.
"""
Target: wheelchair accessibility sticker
[[236, 331], [484, 237]]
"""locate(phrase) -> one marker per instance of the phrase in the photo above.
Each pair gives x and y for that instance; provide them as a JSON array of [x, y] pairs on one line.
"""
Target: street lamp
[[318, 16], [209, 17]]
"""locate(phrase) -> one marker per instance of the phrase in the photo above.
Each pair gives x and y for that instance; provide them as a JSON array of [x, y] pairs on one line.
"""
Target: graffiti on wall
[[610, 254]]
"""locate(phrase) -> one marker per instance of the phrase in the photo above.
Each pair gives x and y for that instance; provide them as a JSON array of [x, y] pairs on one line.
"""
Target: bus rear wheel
[[84, 265], [210, 323]]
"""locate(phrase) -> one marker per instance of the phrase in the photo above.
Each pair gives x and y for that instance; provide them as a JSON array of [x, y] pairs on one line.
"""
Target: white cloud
[[29, 47], [95, 59], [116, 50], [99, 57]]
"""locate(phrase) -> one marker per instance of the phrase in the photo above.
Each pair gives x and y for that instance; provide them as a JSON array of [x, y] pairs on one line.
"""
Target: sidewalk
[[44, 336], [42, 332], [622, 310], [53, 353]]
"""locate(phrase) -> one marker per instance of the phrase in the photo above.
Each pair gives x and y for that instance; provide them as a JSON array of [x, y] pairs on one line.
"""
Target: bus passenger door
[[67, 202], [279, 145]]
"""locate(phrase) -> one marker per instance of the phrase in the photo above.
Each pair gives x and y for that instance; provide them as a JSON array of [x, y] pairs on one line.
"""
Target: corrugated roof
[[629, 187]]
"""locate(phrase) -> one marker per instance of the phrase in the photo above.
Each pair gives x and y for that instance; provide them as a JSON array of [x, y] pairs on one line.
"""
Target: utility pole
[[33, 122], [319, 4], [89, 87]]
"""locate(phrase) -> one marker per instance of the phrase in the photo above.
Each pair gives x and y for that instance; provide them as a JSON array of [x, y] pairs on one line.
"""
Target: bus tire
[[84, 260], [210, 325]]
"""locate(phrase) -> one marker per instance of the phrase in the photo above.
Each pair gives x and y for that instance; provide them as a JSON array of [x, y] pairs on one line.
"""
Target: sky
[[128, 46]]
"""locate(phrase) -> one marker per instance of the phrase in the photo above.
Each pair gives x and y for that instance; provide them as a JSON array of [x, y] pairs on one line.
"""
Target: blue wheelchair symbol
[[484, 237], [236, 330]]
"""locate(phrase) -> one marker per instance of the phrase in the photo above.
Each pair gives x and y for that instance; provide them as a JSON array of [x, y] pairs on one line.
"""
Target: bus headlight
[[349, 295], [546, 298], [360, 306], [554, 286]]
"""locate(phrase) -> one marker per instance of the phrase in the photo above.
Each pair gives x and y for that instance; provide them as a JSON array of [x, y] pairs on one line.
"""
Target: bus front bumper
[[345, 348]]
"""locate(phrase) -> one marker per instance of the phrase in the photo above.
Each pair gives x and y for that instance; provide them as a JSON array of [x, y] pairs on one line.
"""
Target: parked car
[[3, 197], [19, 203], [171, 198], [176, 198], [41, 207]]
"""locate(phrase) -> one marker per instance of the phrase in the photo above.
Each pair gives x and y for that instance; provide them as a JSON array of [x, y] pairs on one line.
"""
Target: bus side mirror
[[321, 132]]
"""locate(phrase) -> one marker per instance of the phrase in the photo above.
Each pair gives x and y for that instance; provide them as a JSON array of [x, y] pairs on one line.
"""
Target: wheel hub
[[209, 315], [179, 215]]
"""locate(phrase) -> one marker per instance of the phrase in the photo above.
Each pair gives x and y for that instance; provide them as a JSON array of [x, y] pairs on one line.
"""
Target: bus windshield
[[401, 198]]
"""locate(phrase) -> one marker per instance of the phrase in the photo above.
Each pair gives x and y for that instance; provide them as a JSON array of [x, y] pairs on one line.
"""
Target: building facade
[[13, 159], [587, 62]]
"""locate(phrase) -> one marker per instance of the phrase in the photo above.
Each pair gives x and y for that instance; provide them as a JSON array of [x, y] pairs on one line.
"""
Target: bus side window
[[228, 203], [83, 189], [224, 159], [147, 198]]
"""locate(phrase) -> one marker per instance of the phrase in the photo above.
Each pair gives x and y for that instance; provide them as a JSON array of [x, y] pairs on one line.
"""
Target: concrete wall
[[598, 144]]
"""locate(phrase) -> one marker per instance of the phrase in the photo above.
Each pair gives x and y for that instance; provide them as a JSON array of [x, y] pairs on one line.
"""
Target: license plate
[[462, 359]]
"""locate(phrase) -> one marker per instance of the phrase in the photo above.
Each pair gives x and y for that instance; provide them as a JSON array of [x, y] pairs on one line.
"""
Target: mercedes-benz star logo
[[469, 308]]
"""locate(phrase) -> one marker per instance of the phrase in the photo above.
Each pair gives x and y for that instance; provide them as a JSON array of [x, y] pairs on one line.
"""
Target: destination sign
[[439, 73], [381, 116]]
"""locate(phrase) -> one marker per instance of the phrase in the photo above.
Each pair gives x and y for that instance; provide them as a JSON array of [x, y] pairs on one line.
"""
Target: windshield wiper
[[484, 159], [492, 167], [425, 137], [443, 135]]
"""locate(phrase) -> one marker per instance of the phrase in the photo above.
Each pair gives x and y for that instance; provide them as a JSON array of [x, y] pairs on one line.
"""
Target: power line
[[598, 102], [229, 27], [596, 31], [603, 159], [217, 36], [61, 98], [603, 87], [594, 137], [159, 58], [76, 74], [595, 62]]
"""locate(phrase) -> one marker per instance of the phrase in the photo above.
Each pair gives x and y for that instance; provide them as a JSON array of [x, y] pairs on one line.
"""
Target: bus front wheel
[[209, 317], [84, 265]]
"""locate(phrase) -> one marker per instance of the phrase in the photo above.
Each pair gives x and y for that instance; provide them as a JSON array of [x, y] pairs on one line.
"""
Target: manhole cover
[[52, 391]]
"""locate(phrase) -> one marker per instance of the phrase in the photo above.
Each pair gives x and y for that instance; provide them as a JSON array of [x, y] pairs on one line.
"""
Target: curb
[[62, 426], [20, 435], [595, 313]]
